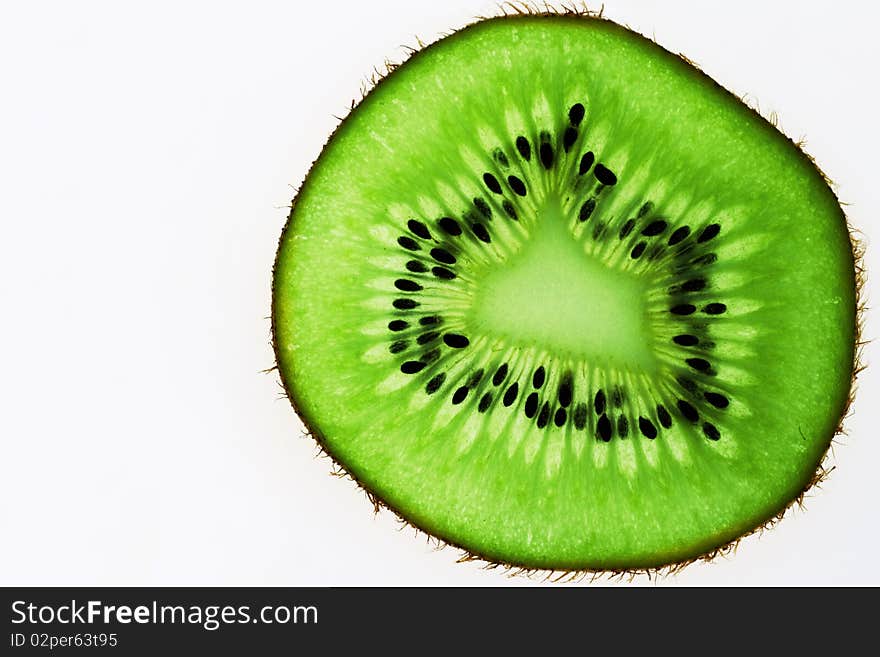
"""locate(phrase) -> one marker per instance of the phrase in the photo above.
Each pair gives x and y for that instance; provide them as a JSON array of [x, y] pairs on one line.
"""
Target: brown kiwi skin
[[722, 548]]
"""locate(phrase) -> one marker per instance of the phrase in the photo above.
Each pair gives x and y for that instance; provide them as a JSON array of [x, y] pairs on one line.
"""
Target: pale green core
[[554, 295]]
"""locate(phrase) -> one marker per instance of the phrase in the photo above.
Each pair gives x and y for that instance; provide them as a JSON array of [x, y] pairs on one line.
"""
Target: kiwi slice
[[555, 297]]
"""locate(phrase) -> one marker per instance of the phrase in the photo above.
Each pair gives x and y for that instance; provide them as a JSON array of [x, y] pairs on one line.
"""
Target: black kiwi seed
[[605, 175], [408, 243], [544, 415], [510, 395], [397, 325], [412, 366], [546, 153], [686, 340], [538, 377], [717, 400], [626, 229], [678, 235], [449, 225], [580, 416], [688, 411], [434, 384], [711, 431], [683, 309], [586, 162], [647, 428], [485, 402], [715, 309], [500, 375], [405, 304], [483, 207], [560, 417], [699, 364], [524, 148], [576, 114], [709, 232], [599, 402], [443, 272], [492, 183], [622, 426], [501, 158], [442, 255], [517, 185], [603, 427], [481, 232], [397, 346], [456, 341], [430, 320], [654, 228], [407, 285], [459, 395], [510, 210], [568, 138], [565, 391], [637, 250], [663, 416], [531, 406], [617, 397], [416, 267], [693, 285], [587, 209], [645, 209], [418, 228]]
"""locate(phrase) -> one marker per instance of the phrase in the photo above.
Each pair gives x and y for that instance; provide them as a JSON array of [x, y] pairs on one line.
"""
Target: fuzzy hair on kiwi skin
[[822, 468]]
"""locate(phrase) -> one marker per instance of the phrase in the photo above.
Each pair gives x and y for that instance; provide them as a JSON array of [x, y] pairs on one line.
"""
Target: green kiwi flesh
[[555, 297]]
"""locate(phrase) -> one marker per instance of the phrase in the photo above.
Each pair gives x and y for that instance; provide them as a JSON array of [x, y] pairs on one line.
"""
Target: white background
[[147, 151]]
